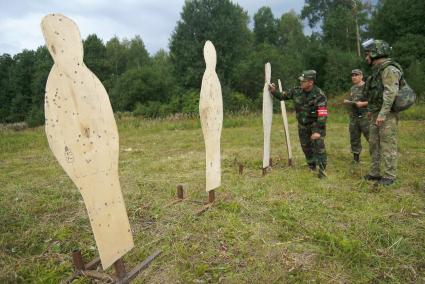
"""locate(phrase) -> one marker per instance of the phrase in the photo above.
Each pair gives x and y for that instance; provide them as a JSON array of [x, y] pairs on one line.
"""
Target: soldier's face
[[368, 59], [356, 78], [306, 85]]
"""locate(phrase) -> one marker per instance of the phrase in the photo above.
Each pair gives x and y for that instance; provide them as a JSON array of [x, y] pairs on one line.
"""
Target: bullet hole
[[87, 132]]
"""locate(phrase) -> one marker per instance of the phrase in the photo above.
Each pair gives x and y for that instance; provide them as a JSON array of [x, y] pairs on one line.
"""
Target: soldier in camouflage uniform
[[380, 91], [359, 122], [311, 111]]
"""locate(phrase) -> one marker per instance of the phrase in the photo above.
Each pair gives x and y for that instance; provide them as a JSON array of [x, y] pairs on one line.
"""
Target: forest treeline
[[169, 82]]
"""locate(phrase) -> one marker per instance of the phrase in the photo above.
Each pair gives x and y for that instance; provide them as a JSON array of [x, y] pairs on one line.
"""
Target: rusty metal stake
[[240, 169], [211, 196], [77, 259], [180, 192], [120, 271], [290, 163]]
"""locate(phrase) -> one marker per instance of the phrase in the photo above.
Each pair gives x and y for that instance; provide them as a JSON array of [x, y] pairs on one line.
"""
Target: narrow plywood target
[[83, 136], [211, 114], [267, 115], [285, 125]]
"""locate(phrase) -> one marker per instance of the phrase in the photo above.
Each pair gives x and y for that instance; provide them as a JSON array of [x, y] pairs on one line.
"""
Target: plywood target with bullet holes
[[83, 136], [211, 115]]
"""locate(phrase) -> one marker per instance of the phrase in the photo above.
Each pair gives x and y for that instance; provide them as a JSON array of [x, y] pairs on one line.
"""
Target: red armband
[[322, 111]]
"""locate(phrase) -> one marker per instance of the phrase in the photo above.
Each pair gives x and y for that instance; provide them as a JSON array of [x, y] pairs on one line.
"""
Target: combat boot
[[356, 158], [370, 177], [386, 181], [312, 166], [322, 172]]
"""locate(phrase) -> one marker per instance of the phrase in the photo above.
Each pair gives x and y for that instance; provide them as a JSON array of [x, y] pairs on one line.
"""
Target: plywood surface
[[83, 136], [267, 116], [285, 124], [211, 115]]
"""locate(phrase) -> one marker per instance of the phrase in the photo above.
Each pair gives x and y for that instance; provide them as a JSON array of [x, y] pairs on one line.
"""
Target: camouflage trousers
[[383, 146], [357, 126], [314, 150]]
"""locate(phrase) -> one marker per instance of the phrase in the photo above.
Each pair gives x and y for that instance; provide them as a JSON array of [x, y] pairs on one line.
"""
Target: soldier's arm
[[284, 95], [322, 115], [390, 79]]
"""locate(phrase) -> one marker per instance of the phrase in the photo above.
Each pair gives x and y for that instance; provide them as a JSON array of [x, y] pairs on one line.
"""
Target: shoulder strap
[[396, 65]]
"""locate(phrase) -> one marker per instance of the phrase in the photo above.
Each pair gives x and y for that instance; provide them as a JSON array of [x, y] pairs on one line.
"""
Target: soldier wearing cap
[[359, 122], [311, 111]]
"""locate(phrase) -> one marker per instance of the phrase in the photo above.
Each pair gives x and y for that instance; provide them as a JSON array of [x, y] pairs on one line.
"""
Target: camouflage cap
[[308, 75], [357, 71]]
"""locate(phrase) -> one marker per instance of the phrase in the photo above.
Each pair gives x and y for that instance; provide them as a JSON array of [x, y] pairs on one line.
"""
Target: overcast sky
[[153, 20]]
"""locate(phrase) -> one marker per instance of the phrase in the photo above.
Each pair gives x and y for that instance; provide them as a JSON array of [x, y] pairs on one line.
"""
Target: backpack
[[406, 96]]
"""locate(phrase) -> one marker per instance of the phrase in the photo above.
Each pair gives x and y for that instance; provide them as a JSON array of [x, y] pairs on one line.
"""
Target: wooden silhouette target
[[267, 116], [211, 114], [83, 136], [286, 126]]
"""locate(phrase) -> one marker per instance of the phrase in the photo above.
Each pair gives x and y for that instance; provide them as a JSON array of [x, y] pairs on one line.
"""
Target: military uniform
[[380, 91], [311, 112], [358, 120]]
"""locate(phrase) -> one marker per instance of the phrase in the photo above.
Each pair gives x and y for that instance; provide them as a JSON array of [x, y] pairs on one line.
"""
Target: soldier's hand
[[272, 87], [379, 121], [315, 136], [361, 104], [369, 116]]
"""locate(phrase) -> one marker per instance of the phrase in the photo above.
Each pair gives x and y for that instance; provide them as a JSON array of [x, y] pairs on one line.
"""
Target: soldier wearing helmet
[[380, 92]]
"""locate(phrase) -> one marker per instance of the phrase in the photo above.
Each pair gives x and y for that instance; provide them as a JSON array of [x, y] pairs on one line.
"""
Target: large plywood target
[[267, 116], [83, 136], [211, 115]]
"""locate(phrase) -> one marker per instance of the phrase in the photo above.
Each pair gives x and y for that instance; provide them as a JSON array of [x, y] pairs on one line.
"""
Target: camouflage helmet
[[377, 48]]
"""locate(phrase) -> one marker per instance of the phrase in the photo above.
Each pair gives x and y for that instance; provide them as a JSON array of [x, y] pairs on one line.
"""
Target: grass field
[[286, 227]]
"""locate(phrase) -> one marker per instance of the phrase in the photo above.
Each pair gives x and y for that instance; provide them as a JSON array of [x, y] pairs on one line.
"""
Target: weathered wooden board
[[83, 136], [211, 114], [267, 115], [285, 125]]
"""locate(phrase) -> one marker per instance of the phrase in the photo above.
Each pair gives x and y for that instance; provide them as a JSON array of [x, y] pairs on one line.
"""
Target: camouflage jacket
[[311, 107], [382, 87], [356, 94]]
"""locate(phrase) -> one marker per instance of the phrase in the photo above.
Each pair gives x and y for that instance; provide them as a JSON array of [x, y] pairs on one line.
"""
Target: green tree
[[401, 24], [20, 81], [338, 20], [116, 56], [95, 57], [222, 22], [394, 19], [265, 26], [6, 63], [338, 69], [42, 66], [137, 55]]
